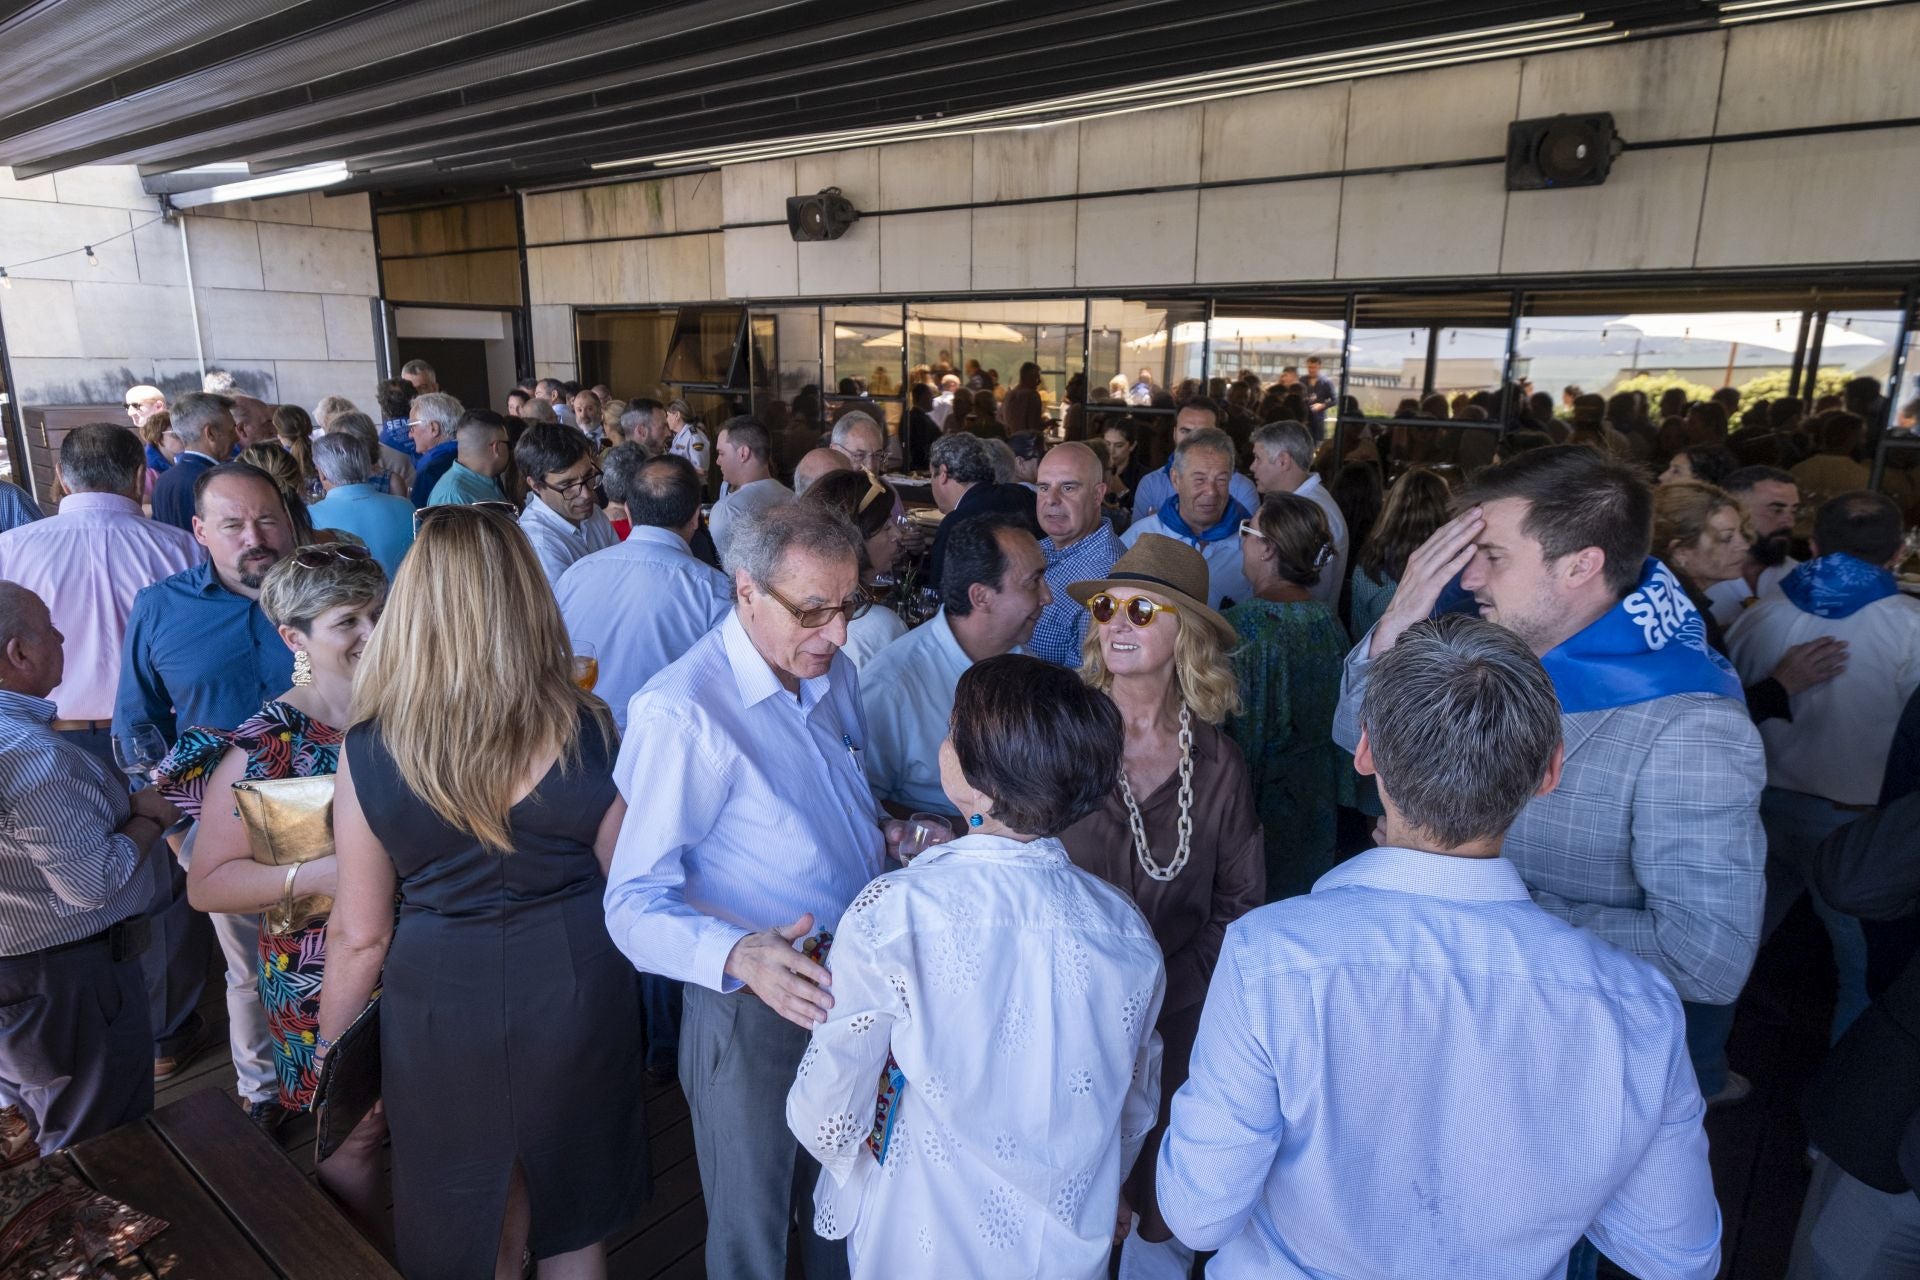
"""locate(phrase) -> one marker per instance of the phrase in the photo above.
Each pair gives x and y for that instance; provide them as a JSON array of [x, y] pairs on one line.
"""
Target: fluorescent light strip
[[1458, 42], [1727, 19], [273, 184], [933, 129]]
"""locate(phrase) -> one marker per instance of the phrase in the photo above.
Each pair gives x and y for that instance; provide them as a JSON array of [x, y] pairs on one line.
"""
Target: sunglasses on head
[[322, 554], [425, 514], [1139, 610]]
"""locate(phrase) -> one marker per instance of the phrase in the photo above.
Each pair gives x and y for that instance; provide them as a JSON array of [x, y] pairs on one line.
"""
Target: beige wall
[[1842, 197], [284, 289]]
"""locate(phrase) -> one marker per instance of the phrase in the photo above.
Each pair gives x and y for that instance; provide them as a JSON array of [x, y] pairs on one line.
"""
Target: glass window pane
[[1387, 369], [866, 354], [624, 349], [986, 343], [1136, 346], [703, 352]]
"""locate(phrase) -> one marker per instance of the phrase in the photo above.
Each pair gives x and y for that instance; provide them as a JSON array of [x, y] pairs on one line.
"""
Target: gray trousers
[[737, 1060], [76, 1048], [1849, 1231]]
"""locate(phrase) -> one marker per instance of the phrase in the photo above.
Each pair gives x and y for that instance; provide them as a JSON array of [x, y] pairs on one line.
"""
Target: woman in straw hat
[[1178, 833]]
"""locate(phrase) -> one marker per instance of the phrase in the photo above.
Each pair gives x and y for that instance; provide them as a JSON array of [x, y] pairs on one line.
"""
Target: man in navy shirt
[[433, 428], [200, 653], [205, 426]]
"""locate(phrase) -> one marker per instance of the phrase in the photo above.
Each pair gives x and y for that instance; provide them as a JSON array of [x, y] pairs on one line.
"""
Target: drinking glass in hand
[[586, 667], [924, 830], [138, 750]]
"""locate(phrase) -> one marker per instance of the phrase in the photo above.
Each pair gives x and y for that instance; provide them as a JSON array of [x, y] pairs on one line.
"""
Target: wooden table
[[238, 1208]]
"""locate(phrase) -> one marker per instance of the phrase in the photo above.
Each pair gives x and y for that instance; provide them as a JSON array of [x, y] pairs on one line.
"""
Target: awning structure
[[457, 97]]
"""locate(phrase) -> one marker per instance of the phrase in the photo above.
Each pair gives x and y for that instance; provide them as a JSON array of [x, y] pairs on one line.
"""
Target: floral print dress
[[280, 741]]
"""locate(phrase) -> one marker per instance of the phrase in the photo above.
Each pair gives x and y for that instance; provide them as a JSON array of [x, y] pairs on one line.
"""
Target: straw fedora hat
[[1168, 568]]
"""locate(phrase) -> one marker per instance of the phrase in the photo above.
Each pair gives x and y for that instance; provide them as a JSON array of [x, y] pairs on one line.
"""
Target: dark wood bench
[[238, 1208]]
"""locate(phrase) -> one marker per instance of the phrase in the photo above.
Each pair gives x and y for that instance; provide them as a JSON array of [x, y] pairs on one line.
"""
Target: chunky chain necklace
[[1153, 869]]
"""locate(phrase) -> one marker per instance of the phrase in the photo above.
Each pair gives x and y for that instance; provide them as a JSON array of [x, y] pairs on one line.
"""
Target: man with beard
[[1770, 497], [200, 654]]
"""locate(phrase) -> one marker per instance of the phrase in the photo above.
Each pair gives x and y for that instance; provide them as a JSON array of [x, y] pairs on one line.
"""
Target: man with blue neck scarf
[[1826, 765], [1203, 513], [1156, 487], [1653, 838]]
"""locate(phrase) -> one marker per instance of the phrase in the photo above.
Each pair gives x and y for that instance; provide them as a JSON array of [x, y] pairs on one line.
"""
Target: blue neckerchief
[[1837, 586], [1650, 645], [1228, 526]]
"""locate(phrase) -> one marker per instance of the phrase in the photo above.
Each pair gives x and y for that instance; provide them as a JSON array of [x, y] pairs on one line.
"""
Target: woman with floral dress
[[325, 601]]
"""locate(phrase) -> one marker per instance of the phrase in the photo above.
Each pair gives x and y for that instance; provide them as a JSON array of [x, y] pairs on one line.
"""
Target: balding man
[[204, 424], [863, 440], [77, 871], [1080, 545], [817, 463], [1203, 513], [1156, 487], [143, 402]]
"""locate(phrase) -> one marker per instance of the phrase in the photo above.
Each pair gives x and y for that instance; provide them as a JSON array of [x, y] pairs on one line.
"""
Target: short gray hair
[[844, 428], [964, 455], [359, 425], [440, 409], [342, 457], [760, 543], [331, 407], [1290, 438], [1006, 464], [102, 457], [634, 421], [194, 412], [1204, 440], [1463, 722], [537, 410]]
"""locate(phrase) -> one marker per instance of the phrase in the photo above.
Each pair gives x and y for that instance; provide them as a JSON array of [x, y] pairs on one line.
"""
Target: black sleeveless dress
[[509, 1021]]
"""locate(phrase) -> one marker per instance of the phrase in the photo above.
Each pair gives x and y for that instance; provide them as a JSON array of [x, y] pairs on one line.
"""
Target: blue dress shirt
[[1414, 1070], [1063, 623], [748, 807], [198, 656], [382, 521], [173, 492], [17, 507], [641, 604], [434, 465], [907, 691]]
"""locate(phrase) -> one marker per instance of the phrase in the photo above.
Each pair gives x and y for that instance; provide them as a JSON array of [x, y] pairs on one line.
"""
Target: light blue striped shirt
[[66, 872], [747, 807], [1415, 1071]]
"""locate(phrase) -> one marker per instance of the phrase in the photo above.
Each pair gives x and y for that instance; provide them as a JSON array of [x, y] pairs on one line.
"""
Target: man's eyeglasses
[[568, 488], [426, 514], [1139, 610], [322, 554], [854, 606]]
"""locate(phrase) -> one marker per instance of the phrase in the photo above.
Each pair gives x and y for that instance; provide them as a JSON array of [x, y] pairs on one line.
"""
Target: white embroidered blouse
[[1018, 996]]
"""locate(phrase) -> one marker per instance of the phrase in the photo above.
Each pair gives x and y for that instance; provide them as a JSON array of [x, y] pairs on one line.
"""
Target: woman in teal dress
[[324, 600], [1289, 661]]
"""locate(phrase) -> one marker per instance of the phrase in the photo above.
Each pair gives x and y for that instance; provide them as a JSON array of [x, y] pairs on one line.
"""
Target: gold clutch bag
[[289, 821]]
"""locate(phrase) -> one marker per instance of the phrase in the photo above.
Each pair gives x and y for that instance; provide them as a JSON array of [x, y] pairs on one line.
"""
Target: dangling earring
[[302, 669], [976, 821]]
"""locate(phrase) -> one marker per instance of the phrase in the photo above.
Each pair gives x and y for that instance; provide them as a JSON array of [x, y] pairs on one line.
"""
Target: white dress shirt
[[1731, 598], [749, 499], [1415, 1071], [87, 563], [1334, 572], [907, 692], [871, 632], [748, 808], [641, 604], [1018, 994], [1836, 744], [942, 409], [1225, 578], [558, 542], [691, 443]]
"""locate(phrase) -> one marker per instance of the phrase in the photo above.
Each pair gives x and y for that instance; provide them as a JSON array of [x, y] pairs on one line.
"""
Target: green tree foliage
[[1655, 385], [1771, 386]]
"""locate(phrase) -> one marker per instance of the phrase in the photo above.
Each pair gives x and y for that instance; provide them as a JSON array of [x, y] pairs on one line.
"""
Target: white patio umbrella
[[955, 331], [1245, 330], [1768, 330]]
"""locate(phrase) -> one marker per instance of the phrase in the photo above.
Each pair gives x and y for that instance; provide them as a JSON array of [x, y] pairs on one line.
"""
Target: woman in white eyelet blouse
[[1017, 995]]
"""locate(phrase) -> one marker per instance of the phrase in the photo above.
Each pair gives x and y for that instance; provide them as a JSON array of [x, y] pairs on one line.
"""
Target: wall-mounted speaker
[[1560, 151], [825, 216]]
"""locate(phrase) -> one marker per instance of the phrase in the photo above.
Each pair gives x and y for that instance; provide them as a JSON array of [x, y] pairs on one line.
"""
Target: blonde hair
[[294, 428], [1201, 671], [293, 595], [329, 408], [1681, 509], [470, 673]]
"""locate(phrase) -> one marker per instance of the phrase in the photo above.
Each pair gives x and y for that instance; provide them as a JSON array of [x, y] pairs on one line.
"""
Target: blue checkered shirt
[[1057, 636]]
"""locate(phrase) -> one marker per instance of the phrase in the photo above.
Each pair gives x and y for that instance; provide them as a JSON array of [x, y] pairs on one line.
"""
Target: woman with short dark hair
[[1004, 1001]]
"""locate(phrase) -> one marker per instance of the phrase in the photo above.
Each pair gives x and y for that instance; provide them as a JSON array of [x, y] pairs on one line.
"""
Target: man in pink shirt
[[87, 563]]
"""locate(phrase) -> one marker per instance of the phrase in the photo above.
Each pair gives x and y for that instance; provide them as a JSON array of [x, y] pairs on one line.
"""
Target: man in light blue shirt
[[750, 827], [1204, 514], [642, 603], [480, 455], [1415, 1070], [1156, 487], [992, 592], [381, 520]]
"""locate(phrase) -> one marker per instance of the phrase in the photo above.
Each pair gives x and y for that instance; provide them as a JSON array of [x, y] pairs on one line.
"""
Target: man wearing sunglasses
[[1203, 514], [562, 519], [750, 828], [143, 402]]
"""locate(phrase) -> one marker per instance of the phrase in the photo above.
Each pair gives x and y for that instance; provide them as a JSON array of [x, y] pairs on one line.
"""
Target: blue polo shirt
[[197, 656], [382, 521]]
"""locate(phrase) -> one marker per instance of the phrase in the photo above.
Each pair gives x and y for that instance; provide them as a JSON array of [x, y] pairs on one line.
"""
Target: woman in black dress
[[476, 786]]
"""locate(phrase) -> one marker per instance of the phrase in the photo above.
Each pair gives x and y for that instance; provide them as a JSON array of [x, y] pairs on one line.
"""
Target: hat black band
[[1145, 577]]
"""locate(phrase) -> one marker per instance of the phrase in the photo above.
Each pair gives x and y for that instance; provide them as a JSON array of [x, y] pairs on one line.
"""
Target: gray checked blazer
[[1652, 839]]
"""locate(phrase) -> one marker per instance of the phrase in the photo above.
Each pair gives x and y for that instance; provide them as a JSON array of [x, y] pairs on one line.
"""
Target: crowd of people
[[1342, 856]]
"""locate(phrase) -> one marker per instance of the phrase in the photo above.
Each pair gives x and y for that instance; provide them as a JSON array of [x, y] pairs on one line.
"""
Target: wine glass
[[138, 750], [923, 831], [586, 666]]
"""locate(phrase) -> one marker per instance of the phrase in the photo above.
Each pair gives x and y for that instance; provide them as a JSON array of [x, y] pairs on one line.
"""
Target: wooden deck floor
[[1758, 1146]]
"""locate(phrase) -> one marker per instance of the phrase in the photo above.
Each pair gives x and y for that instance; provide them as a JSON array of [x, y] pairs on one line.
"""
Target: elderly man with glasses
[[431, 427], [562, 518], [750, 829]]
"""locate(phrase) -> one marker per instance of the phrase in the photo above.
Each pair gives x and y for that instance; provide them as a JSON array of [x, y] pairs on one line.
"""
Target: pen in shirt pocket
[[852, 750]]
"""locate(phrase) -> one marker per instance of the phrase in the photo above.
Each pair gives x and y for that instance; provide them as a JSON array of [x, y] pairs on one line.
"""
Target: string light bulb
[[93, 259]]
